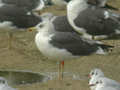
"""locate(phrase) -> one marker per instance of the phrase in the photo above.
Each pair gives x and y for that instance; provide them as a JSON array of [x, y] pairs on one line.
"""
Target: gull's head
[[101, 82], [39, 27], [96, 72], [3, 81], [92, 83]]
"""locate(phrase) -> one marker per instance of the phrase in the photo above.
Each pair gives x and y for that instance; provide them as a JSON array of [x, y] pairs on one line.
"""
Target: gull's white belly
[[47, 49]]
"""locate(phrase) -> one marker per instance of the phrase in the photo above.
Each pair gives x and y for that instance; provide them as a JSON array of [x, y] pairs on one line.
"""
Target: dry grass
[[25, 56]]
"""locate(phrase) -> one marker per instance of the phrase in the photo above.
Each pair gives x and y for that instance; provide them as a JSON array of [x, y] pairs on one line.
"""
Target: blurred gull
[[28, 4], [14, 18], [95, 78], [102, 4], [105, 84], [4, 85]]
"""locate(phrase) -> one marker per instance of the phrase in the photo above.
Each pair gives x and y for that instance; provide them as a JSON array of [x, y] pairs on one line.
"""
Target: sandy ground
[[25, 56]]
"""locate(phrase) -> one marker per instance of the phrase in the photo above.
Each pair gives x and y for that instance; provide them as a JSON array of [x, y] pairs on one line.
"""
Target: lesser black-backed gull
[[29, 4], [57, 40], [4, 84], [14, 18], [97, 22]]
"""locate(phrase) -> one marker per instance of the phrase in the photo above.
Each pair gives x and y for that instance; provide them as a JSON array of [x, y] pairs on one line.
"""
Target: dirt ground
[[25, 56]]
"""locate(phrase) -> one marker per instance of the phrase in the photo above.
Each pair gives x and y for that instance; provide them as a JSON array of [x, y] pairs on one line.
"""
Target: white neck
[[74, 8]]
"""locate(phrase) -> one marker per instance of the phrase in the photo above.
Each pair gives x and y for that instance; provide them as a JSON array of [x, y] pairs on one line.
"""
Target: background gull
[[93, 76], [14, 18], [109, 82], [92, 23], [105, 84], [102, 4], [4, 84]]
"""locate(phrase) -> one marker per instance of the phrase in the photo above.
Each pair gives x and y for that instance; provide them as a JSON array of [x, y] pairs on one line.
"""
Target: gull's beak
[[31, 29]]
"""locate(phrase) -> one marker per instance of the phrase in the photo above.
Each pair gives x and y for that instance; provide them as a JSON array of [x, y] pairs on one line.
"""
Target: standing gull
[[57, 40], [92, 23]]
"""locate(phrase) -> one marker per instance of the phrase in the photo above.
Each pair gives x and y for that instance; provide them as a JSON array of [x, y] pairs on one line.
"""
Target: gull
[[14, 18], [103, 83], [57, 40], [92, 23], [4, 85], [96, 72]]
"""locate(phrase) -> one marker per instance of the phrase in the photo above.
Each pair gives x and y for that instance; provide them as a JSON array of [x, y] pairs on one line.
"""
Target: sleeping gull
[[29, 4], [57, 40], [92, 23]]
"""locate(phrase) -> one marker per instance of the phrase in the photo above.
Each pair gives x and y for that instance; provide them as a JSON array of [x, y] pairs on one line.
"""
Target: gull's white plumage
[[4, 85]]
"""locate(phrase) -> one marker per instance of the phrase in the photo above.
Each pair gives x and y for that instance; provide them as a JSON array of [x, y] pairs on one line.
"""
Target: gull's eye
[[92, 73], [3, 81], [97, 82]]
